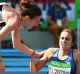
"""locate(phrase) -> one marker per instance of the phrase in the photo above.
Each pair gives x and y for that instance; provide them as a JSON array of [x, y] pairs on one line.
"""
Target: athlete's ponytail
[[26, 8]]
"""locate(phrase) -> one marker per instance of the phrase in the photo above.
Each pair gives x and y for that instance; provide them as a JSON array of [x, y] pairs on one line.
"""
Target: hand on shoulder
[[50, 52]]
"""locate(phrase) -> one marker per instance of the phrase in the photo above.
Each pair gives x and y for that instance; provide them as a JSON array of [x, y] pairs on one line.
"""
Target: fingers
[[36, 55]]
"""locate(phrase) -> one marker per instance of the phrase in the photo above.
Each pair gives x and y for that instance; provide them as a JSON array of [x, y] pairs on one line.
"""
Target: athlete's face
[[65, 40], [32, 22]]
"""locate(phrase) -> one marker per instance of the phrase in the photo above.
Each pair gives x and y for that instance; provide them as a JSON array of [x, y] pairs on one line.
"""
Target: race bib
[[59, 68]]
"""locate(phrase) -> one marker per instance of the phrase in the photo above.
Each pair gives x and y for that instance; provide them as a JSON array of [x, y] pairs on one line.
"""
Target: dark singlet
[[57, 66], [2, 23]]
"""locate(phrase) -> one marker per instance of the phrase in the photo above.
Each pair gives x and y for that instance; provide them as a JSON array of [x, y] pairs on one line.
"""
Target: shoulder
[[76, 51], [9, 9], [76, 54], [50, 52]]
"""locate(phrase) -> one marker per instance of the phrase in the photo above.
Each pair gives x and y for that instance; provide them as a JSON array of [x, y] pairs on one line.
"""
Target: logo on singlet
[[59, 68]]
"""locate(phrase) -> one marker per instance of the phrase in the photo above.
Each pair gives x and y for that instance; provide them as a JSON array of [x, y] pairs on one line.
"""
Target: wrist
[[33, 52]]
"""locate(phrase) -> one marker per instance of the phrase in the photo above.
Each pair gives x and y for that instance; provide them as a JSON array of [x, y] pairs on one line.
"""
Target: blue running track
[[18, 63]]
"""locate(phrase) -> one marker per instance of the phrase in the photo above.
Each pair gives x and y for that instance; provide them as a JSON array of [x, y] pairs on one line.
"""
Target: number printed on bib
[[59, 68]]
